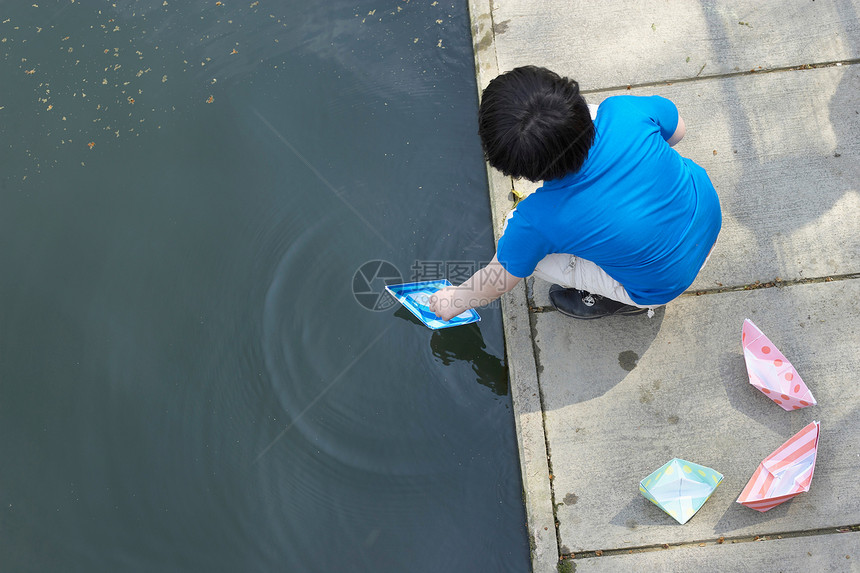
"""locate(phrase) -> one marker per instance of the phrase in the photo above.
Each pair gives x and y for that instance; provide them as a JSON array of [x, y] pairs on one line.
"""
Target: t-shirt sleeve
[[521, 247], [661, 111]]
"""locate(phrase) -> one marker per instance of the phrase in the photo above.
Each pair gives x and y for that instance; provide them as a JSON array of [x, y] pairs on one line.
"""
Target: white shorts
[[571, 271]]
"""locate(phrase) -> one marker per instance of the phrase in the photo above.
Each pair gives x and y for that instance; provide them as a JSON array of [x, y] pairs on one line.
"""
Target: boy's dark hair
[[534, 123]]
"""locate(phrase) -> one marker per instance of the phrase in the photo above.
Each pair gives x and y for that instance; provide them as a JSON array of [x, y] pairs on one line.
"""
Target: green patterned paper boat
[[680, 488]]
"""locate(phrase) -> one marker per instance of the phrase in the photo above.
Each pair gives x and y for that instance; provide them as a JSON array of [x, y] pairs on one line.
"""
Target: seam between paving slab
[[753, 72], [775, 283], [836, 530], [538, 370]]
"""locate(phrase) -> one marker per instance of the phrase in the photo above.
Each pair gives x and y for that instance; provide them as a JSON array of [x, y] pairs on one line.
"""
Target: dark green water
[[187, 382]]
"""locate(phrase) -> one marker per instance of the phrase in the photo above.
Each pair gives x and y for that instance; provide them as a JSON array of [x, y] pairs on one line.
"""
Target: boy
[[622, 223]]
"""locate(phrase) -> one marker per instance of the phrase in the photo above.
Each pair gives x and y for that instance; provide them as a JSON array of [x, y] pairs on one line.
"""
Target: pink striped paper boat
[[771, 372], [785, 473]]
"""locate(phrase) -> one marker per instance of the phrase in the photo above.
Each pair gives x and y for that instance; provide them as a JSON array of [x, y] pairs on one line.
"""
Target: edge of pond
[[520, 352]]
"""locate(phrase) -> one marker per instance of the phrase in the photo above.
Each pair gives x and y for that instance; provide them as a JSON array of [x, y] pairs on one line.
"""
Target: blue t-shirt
[[644, 214]]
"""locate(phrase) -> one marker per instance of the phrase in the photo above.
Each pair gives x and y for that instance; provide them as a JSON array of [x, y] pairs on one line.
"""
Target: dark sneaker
[[581, 304]]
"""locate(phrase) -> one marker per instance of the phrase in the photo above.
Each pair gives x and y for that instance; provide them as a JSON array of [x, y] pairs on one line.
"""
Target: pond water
[[188, 381]]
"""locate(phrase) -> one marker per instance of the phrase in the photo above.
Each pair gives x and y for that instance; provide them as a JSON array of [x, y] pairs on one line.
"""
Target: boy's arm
[[680, 132], [481, 289]]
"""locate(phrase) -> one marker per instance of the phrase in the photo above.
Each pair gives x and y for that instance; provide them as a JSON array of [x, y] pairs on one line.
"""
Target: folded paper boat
[[416, 298], [680, 488], [771, 372], [785, 473]]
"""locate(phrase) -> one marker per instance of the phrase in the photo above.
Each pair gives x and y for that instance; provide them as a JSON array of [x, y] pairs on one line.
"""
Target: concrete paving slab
[[623, 395], [833, 552], [607, 44], [790, 190]]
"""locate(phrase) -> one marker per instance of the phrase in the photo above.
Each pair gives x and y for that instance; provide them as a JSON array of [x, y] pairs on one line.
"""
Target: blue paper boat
[[416, 296]]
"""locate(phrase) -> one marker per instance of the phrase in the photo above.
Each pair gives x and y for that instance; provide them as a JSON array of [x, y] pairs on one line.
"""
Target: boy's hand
[[442, 303]]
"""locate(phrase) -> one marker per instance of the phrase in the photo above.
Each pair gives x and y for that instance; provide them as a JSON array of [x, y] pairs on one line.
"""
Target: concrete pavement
[[770, 92]]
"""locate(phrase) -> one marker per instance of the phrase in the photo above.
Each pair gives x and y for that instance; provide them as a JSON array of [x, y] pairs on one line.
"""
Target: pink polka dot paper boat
[[785, 473], [771, 372]]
